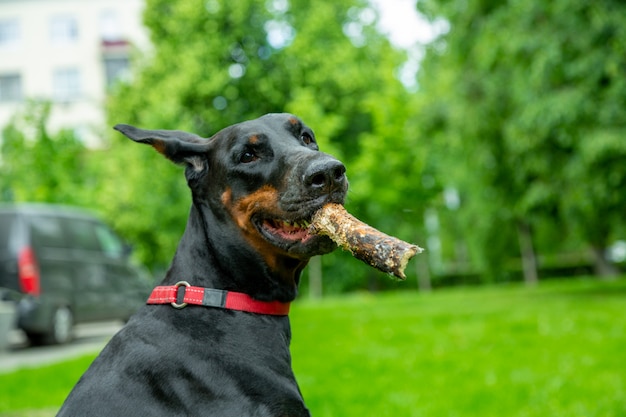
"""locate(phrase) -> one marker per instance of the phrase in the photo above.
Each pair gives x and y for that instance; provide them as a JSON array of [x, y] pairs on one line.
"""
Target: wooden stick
[[383, 252]]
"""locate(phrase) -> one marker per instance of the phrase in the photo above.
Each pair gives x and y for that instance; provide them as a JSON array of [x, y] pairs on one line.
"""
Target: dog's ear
[[179, 147]]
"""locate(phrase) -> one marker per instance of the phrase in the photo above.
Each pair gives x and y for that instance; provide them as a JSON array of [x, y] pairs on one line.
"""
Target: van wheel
[[61, 329]]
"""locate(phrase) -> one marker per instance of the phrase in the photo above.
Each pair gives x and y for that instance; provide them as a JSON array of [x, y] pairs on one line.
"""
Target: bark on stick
[[383, 252]]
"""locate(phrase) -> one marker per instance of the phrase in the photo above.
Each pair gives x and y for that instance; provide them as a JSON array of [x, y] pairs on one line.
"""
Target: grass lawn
[[555, 350]]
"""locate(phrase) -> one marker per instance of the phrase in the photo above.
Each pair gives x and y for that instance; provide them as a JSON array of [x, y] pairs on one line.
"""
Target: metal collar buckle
[[178, 285]]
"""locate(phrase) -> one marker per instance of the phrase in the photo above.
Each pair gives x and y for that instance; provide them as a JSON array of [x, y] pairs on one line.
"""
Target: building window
[[63, 29], [9, 32], [10, 87], [116, 68], [66, 84], [110, 29]]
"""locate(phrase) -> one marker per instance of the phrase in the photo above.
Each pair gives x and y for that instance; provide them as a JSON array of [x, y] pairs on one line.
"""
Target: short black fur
[[200, 361]]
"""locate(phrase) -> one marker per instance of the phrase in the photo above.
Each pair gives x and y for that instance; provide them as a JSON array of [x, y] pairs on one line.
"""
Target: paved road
[[88, 338]]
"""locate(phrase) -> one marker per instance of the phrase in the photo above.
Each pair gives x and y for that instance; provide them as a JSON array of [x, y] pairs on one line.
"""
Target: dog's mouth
[[287, 230], [285, 233], [293, 236]]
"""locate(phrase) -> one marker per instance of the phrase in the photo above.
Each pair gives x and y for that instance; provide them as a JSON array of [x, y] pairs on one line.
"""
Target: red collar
[[208, 297]]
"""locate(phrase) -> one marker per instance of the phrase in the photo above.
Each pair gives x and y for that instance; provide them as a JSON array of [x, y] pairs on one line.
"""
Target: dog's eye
[[247, 157], [306, 138]]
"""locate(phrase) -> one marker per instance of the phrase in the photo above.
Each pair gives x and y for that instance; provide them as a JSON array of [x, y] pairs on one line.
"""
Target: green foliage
[[38, 166], [531, 104], [217, 63], [519, 110], [555, 350]]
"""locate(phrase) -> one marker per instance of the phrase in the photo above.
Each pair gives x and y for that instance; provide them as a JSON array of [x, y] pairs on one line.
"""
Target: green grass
[[555, 350], [39, 392]]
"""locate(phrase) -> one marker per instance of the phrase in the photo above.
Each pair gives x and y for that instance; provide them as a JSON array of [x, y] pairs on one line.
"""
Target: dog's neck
[[205, 257]]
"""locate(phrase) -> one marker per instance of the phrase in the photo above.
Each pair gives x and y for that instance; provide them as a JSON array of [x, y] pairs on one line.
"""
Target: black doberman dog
[[214, 338]]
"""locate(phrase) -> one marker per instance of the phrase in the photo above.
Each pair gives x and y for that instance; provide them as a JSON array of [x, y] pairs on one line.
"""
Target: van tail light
[[28, 272]]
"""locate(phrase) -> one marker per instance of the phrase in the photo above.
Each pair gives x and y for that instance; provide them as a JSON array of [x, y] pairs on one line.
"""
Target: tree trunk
[[602, 266], [529, 259], [423, 273], [315, 277]]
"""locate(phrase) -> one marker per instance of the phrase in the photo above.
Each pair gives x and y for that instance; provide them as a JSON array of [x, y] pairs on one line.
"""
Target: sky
[[409, 30], [400, 20]]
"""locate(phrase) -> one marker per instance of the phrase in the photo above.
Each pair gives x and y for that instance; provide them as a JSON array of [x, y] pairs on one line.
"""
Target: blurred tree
[[387, 187], [40, 167], [215, 63], [526, 98]]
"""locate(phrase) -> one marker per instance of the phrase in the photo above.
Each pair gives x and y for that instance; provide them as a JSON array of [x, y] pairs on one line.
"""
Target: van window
[[82, 235], [110, 244], [47, 232], [6, 222]]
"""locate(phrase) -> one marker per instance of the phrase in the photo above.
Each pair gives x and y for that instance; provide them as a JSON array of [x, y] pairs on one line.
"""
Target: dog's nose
[[325, 175]]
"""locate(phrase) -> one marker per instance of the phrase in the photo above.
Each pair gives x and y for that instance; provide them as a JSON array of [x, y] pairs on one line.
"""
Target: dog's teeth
[[302, 224]]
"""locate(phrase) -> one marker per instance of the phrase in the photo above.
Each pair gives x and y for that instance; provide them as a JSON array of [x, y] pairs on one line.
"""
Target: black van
[[63, 266]]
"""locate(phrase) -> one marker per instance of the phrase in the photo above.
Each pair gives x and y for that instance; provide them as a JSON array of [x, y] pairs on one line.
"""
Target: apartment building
[[68, 52]]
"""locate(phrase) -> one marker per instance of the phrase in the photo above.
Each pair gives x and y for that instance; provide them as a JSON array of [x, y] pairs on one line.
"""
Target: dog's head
[[266, 177]]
